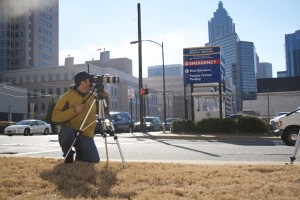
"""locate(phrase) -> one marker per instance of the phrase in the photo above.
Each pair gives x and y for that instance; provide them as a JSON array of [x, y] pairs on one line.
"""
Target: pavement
[[207, 136]]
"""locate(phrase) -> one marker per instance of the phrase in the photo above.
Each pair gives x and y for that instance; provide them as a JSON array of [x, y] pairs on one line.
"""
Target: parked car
[[152, 123], [169, 122], [4, 124], [235, 116], [28, 127], [121, 121]]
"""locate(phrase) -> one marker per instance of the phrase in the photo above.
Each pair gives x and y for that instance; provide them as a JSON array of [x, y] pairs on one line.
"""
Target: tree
[[51, 105]]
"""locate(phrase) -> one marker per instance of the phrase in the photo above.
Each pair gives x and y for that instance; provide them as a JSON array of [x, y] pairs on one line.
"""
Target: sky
[[85, 26]]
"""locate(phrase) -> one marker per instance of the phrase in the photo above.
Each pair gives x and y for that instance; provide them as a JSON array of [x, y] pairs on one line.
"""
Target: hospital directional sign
[[202, 65]]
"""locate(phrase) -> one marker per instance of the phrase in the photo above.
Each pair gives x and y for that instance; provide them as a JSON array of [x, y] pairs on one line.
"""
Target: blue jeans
[[85, 148]]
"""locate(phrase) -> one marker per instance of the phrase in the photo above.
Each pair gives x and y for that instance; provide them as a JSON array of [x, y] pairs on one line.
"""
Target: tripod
[[294, 154], [102, 111]]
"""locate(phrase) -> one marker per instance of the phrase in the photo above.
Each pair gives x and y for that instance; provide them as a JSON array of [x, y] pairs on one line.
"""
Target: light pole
[[164, 82], [9, 113]]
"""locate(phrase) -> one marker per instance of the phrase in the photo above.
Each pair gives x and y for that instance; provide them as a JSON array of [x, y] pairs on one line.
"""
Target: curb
[[210, 137]]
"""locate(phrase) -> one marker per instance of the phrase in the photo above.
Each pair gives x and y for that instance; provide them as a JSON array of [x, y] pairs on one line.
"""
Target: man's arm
[[62, 111]]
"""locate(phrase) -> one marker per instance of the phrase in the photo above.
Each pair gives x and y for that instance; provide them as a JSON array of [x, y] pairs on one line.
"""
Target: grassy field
[[45, 178]]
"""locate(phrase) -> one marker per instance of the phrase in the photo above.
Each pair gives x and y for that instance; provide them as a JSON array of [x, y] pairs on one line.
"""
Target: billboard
[[202, 65]]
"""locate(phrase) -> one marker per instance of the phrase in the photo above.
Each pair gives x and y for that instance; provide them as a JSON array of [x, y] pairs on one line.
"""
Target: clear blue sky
[[85, 26]]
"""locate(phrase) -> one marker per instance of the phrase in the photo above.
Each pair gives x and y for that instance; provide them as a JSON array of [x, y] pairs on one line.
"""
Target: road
[[140, 147]]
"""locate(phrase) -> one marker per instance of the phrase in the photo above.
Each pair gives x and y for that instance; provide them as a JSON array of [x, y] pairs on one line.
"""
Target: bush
[[228, 125], [210, 125], [216, 125], [251, 124], [182, 126]]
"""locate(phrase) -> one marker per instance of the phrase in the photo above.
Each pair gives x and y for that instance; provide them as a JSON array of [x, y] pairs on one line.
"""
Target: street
[[140, 148]]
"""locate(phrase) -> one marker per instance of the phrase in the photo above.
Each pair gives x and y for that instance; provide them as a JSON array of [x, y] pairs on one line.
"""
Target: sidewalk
[[200, 136]]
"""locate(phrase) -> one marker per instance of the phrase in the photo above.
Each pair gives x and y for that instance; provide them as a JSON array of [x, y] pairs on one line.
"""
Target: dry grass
[[42, 178]]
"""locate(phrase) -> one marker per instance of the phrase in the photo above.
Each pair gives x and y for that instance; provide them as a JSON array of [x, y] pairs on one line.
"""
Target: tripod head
[[97, 83]]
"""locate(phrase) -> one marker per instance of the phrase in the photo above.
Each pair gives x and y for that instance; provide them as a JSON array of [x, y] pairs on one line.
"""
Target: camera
[[106, 78]]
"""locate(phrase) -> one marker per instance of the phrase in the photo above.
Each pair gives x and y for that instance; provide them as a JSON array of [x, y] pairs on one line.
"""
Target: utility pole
[[140, 68]]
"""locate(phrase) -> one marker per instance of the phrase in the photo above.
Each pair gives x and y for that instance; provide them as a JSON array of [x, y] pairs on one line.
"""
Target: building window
[[43, 107], [42, 78], [35, 94], [57, 77], [50, 77], [65, 76], [57, 91], [50, 91], [43, 93], [35, 78]]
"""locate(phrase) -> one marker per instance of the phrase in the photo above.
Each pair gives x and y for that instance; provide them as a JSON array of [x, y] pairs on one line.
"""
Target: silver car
[[28, 127]]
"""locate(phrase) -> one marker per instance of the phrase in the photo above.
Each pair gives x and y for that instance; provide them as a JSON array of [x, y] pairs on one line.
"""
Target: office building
[[28, 34], [221, 24], [247, 64], [170, 70], [264, 70], [238, 65], [292, 54], [43, 84]]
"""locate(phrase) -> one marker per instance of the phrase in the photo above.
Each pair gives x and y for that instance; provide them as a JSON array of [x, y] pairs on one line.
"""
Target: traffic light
[[144, 91]]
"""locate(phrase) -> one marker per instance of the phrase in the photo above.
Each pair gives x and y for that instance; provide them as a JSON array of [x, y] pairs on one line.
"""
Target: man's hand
[[105, 93], [79, 108]]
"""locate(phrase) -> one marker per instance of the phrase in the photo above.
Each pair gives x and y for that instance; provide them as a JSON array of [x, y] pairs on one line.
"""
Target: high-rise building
[[220, 25], [28, 34], [247, 64], [292, 54], [170, 70], [264, 70], [239, 66]]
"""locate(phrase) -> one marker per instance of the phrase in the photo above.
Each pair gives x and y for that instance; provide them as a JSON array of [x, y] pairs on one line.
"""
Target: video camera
[[106, 78]]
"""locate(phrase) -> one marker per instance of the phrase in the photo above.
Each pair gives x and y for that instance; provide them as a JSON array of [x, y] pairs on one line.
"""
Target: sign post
[[203, 66], [131, 96]]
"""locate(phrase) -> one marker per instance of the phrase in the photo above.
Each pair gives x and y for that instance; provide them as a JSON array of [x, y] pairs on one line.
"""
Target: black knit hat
[[80, 76]]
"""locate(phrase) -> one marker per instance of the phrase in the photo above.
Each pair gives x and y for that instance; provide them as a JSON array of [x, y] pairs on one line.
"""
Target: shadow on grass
[[82, 180]]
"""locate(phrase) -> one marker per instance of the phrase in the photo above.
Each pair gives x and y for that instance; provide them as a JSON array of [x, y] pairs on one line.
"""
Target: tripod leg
[[293, 157], [114, 131], [101, 113]]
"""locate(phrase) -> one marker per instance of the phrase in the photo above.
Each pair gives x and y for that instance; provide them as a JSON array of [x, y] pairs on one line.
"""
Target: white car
[[276, 118], [28, 127]]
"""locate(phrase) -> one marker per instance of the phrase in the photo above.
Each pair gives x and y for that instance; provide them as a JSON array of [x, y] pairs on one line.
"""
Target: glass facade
[[247, 63], [264, 70], [220, 25], [292, 54], [170, 70], [28, 34], [240, 57]]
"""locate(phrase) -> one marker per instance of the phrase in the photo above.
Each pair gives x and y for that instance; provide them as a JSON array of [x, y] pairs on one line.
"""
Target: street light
[[164, 82]]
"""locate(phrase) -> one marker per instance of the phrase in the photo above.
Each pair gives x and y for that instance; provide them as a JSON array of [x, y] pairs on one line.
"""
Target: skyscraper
[[28, 34], [292, 53], [264, 70], [239, 66], [247, 64], [220, 25]]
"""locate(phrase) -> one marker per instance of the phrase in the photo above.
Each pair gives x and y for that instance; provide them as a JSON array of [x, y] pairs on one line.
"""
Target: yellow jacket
[[64, 111]]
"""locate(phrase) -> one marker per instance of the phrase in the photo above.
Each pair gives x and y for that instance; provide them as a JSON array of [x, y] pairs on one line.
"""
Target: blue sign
[[202, 65]]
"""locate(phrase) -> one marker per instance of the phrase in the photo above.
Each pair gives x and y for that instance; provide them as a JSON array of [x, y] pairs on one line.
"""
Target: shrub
[[182, 126], [228, 125], [251, 124], [210, 125], [215, 125]]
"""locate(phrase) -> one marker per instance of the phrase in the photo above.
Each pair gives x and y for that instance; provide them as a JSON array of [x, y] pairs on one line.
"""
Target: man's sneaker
[[70, 157]]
